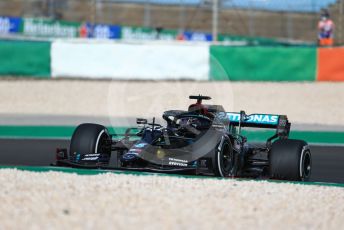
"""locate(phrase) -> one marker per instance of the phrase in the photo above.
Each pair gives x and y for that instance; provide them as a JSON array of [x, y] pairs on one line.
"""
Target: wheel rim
[[306, 165], [226, 158], [100, 144]]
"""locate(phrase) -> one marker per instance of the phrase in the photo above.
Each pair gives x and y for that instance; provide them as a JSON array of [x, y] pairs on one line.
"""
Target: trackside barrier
[[168, 60], [129, 60], [25, 58], [330, 64], [262, 63]]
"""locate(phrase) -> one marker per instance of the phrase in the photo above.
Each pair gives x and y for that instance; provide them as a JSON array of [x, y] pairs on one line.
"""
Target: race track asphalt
[[328, 161]]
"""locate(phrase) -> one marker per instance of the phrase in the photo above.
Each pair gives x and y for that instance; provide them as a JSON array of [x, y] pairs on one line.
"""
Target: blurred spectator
[[326, 30], [84, 30], [180, 36], [158, 30]]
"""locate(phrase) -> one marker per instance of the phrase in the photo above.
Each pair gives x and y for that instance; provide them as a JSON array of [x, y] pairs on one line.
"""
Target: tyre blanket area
[[59, 201]]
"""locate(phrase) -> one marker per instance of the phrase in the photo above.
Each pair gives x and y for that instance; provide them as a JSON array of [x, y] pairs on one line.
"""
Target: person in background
[[84, 30], [180, 36], [326, 30], [158, 31]]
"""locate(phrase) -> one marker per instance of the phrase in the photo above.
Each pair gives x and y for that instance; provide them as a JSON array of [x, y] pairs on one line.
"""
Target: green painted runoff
[[65, 132]]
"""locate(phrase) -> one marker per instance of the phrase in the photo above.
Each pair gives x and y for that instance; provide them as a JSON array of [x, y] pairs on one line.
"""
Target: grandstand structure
[[283, 19]]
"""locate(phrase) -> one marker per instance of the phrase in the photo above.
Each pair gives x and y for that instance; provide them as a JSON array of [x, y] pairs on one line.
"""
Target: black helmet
[[325, 14]]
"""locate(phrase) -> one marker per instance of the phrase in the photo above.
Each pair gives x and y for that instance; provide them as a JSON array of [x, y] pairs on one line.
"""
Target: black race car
[[203, 140]]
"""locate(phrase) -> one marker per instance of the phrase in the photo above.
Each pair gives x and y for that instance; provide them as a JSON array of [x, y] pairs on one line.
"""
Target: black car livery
[[202, 140]]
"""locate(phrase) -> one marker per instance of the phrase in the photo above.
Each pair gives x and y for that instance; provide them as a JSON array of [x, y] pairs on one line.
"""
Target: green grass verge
[[65, 132], [135, 173]]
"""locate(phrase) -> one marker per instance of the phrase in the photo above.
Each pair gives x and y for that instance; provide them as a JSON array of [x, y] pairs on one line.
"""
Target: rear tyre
[[90, 138], [290, 160], [224, 158]]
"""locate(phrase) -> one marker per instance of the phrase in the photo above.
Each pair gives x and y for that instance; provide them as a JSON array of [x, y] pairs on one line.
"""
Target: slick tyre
[[224, 158], [90, 138], [290, 160]]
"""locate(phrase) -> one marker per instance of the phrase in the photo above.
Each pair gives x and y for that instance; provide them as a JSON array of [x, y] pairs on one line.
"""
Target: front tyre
[[290, 160], [90, 138], [224, 158]]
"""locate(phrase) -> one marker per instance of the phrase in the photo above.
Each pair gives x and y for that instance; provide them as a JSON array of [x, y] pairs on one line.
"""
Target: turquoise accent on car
[[264, 119]]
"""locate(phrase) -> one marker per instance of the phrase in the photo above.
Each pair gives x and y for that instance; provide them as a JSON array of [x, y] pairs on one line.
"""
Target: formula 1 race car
[[203, 140]]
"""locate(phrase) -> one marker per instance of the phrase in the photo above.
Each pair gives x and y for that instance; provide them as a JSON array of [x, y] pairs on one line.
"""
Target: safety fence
[[169, 60], [52, 29]]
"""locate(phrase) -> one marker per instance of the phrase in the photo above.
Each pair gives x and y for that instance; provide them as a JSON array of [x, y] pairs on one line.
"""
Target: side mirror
[[141, 121]]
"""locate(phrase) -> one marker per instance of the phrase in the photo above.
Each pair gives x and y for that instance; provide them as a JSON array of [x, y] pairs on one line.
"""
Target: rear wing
[[257, 120], [270, 121]]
